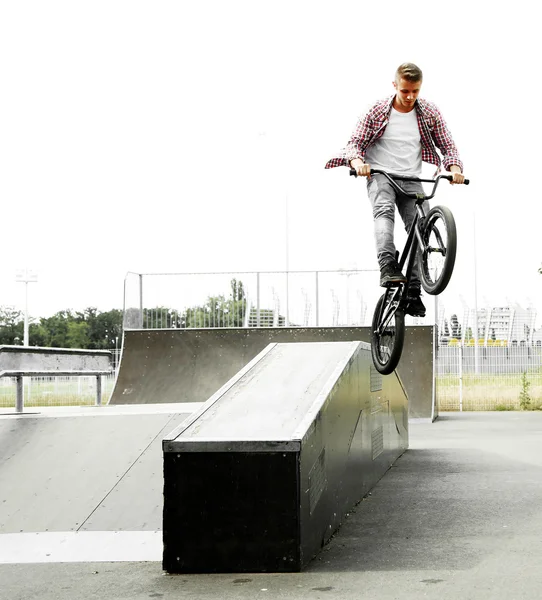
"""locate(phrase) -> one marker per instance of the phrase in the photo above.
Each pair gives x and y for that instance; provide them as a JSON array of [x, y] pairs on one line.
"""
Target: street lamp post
[[26, 276], [476, 336]]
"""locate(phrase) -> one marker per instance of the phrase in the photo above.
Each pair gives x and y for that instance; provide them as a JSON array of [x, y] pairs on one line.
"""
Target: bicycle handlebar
[[408, 177], [392, 178]]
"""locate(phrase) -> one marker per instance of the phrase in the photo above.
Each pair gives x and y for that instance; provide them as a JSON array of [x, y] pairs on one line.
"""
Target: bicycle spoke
[[388, 331], [436, 251], [437, 254]]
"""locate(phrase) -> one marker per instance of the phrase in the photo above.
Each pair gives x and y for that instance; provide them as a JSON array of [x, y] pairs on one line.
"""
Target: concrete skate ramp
[[97, 472], [189, 365], [264, 473]]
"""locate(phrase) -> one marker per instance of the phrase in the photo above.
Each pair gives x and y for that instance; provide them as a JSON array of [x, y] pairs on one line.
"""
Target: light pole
[[26, 276], [348, 273], [287, 233], [476, 337]]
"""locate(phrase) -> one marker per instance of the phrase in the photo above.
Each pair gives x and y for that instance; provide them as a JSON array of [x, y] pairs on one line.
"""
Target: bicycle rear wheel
[[387, 333], [437, 257]]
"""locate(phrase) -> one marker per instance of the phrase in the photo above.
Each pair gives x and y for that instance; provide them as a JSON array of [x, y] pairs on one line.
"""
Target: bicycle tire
[[439, 235], [386, 349]]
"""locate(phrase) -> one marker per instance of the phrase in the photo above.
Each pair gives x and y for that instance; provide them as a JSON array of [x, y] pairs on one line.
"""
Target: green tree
[[237, 290], [104, 329], [87, 329], [213, 313], [11, 326], [160, 317], [55, 329], [38, 334], [456, 327], [109, 327], [77, 335], [217, 311]]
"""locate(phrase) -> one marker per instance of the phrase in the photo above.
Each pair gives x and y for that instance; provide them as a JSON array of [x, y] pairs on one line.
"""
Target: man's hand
[[362, 169], [458, 177]]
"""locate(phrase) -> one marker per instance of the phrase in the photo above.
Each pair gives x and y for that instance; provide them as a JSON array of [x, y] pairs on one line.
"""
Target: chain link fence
[[502, 370], [254, 299], [494, 377]]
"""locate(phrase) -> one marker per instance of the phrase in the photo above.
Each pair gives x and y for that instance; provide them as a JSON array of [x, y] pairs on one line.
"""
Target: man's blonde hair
[[410, 72]]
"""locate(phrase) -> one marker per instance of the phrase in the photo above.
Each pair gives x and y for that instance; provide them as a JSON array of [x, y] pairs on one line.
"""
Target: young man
[[395, 136]]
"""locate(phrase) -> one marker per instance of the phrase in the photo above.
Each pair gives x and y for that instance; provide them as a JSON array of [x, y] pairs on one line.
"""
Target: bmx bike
[[432, 240]]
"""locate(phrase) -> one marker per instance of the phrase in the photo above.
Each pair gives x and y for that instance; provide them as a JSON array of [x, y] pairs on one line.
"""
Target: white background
[[181, 136]]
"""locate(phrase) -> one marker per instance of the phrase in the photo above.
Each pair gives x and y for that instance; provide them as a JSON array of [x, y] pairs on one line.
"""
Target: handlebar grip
[[355, 173], [450, 178]]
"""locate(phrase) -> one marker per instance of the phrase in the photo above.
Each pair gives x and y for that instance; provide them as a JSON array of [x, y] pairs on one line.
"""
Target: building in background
[[495, 325]]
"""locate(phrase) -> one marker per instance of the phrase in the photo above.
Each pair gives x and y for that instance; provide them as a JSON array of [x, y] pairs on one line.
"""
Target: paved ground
[[459, 516]]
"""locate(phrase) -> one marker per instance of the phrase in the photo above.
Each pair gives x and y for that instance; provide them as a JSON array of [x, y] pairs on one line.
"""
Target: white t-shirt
[[399, 150]]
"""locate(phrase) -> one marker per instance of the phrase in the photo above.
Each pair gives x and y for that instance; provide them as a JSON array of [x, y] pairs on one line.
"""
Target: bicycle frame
[[399, 292], [432, 231]]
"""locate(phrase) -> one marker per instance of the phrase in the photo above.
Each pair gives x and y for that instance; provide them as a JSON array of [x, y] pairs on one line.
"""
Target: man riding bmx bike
[[396, 135]]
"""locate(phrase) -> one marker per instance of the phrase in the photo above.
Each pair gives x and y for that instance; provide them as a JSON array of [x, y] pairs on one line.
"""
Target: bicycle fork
[[424, 245], [392, 301]]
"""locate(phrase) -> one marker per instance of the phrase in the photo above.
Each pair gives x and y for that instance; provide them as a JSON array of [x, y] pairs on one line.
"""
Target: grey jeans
[[384, 198]]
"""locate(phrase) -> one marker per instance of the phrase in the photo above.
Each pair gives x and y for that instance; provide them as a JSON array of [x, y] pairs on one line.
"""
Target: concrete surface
[[459, 516], [63, 472]]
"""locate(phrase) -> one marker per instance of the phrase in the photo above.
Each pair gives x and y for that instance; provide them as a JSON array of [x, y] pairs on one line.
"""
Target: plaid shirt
[[433, 131]]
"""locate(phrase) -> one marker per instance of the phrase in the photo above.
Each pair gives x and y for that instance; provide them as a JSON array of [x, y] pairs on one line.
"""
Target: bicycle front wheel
[[437, 256], [387, 333]]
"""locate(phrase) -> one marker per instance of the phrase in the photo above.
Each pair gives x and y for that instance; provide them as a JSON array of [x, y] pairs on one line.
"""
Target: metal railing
[[20, 362], [56, 390]]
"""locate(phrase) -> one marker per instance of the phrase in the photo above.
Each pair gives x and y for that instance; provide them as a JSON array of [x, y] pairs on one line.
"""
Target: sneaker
[[390, 274], [415, 307]]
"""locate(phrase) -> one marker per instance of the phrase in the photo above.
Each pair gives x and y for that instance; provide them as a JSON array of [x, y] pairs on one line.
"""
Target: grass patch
[[63, 391], [516, 391]]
